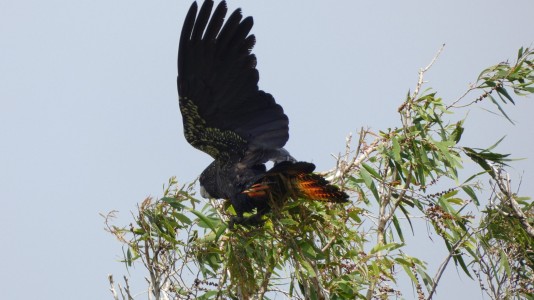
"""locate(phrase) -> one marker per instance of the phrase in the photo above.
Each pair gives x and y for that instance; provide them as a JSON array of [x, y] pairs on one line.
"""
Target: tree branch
[[503, 182]]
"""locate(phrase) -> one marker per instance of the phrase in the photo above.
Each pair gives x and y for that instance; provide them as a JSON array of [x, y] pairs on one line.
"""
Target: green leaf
[[204, 221], [496, 144], [182, 218], [473, 176], [372, 171], [173, 202], [353, 214], [502, 91], [408, 271], [519, 53], [289, 222], [500, 108], [457, 133], [475, 156], [221, 230], [397, 228], [426, 278], [129, 257], [396, 148], [388, 247], [460, 260], [456, 201], [307, 267], [504, 263], [307, 249], [364, 174], [405, 212], [471, 193], [208, 295], [450, 194]]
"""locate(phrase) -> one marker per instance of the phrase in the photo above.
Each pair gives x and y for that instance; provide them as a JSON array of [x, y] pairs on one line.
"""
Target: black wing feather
[[224, 112], [201, 21], [217, 20], [185, 35]]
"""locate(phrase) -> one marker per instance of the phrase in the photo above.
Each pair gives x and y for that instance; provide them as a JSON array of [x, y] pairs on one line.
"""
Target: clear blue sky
[[89, 119]]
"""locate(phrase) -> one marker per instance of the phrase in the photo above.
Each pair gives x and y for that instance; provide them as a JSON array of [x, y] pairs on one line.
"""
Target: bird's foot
[[254, 220]]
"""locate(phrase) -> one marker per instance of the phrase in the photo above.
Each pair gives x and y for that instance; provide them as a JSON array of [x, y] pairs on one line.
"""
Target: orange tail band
[[315, 187]]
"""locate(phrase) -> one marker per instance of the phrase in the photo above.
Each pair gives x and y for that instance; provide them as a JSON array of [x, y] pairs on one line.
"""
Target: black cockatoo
[[226, 116]]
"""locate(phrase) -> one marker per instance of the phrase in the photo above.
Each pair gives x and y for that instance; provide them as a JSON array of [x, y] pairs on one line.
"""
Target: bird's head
[[208, 182]]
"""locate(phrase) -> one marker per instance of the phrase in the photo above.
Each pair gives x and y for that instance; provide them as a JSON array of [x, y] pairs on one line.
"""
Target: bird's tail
[[315, 187], [298, 179]]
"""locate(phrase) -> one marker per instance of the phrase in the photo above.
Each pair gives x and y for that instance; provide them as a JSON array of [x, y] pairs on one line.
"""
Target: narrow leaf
[[502, 91], [205, 220], [500, 109], [397, 228], [364, 174]]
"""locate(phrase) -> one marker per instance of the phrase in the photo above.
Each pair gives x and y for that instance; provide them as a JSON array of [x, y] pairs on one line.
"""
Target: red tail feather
[[315, 187], [295, 179]]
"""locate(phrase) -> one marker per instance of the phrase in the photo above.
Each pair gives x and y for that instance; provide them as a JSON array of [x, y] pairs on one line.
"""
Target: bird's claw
[[252, 221]]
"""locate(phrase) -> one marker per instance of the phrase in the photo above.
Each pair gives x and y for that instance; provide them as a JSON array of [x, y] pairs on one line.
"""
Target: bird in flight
[[241, 127]]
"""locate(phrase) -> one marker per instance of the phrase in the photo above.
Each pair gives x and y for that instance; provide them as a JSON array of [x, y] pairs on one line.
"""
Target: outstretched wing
[[224, 112]]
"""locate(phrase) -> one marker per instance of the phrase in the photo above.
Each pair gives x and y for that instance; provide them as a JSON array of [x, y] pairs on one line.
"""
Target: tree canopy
[[313, 250]]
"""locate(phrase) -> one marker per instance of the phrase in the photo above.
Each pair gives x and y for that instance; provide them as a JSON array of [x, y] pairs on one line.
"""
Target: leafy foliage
[[312, 250]]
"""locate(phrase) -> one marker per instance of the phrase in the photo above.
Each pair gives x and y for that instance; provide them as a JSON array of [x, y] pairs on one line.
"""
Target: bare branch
[[502, 179], [423, 71], [112, 287], [444, 264]]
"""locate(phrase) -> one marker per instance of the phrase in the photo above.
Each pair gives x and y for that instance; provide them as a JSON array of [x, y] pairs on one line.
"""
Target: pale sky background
[[90, 121]]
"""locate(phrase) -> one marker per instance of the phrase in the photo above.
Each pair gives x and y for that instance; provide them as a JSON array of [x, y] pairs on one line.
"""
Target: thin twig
[[503, 182], [127, 288], [112, 287], [452, 252], [444, 264], [344, 167], [422, 72]]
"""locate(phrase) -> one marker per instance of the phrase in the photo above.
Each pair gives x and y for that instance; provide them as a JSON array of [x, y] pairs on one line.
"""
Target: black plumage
[[229, 118]]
